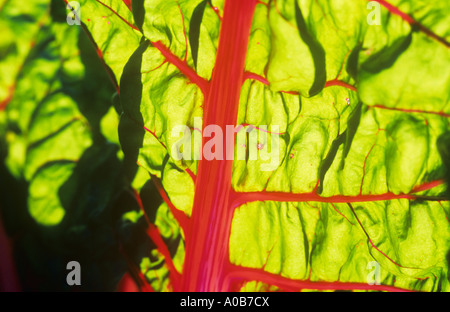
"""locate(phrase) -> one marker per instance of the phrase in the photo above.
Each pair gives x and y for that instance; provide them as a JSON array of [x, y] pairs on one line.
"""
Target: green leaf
[[357, 125], [20, 26], [344, 95], [53, 140], [111, 25]]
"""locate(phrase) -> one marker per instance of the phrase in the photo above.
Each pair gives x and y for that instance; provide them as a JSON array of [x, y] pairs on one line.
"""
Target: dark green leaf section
[[194, 33], [386, 57], [131, 126], [317, 53], [137, 7], [64, 191], [326, 164]]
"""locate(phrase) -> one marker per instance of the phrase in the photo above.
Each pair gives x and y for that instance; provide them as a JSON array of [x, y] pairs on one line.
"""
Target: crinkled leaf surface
[[20, 26], [111, 26], [359, 110]]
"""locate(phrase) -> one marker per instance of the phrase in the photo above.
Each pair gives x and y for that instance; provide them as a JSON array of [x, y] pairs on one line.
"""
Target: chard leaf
[[53, 134], [355, 116], [359, 178]]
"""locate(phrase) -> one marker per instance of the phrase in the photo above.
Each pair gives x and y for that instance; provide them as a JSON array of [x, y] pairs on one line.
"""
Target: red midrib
[[207, 241]]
